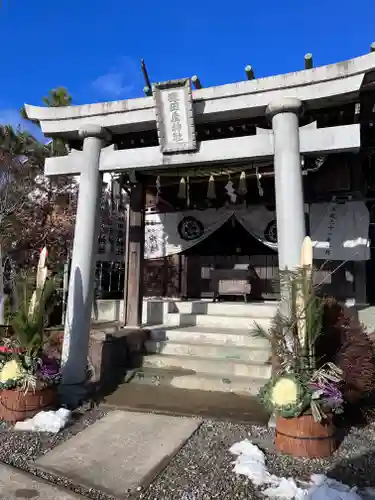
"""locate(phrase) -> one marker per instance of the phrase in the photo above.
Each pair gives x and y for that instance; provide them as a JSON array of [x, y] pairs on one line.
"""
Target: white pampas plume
[[306, 264], [307, 252], [41, 276]]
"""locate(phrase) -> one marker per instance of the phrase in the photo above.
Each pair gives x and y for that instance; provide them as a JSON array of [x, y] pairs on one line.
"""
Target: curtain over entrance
[[339, 230], [175, 232]]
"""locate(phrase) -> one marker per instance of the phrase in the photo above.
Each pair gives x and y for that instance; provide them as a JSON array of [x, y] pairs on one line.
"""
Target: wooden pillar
[[134, 288]]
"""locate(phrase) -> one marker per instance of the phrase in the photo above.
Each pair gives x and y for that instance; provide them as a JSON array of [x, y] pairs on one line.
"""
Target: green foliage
[[23, 362], [284, 332], [15, 141], [29, 328], [58, 97], [294, 333], [34, 211]]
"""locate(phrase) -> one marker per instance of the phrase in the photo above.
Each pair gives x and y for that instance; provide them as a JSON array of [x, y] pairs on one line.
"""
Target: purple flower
[[330, 393], [49, 367]]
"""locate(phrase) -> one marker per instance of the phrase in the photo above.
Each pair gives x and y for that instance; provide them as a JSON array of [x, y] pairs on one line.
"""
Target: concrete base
[[121, 452], [113, 353], [156, 311]]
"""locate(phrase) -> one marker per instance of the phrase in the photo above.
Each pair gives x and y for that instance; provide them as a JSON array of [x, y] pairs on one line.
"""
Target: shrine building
[[223, 183]]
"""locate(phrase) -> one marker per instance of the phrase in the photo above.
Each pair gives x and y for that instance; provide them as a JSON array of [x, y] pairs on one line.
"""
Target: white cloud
[[119, 80]]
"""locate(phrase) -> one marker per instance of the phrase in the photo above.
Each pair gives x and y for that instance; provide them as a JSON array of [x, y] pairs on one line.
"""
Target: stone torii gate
[[281, 98]]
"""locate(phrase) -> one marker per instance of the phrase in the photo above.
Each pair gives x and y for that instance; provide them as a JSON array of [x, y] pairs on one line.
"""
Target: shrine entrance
[[232, 248]]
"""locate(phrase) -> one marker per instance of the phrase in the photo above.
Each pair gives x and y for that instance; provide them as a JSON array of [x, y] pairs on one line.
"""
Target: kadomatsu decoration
[[302, 395], [27, 375]]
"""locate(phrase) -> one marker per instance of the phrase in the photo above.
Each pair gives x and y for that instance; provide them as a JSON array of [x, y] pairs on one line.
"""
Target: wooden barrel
[[16, 405], [303, 437]]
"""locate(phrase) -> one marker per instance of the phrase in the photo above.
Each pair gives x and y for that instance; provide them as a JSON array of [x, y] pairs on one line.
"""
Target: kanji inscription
[[175, 116]]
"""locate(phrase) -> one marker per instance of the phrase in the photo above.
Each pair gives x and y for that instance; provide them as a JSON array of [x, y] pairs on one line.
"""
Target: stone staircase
[[209, 346]]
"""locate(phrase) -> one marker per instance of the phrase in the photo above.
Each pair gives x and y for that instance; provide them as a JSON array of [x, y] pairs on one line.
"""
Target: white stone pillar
[[82, 272], [290, 215]]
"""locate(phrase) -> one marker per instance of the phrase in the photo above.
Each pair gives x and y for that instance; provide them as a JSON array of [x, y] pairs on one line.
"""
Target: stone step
[[216, 321], [198, 381], [202, 335], [250, 310], [206, 350], [196, 364]]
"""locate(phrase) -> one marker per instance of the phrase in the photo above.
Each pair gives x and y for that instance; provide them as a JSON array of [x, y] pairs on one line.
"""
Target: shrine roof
[[318, 87]]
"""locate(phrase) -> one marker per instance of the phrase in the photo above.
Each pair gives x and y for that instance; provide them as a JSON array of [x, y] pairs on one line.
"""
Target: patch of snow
[[45, 421], [251, 462]]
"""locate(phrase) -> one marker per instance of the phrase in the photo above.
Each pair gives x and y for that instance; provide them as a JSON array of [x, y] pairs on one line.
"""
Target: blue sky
[[94, 47]]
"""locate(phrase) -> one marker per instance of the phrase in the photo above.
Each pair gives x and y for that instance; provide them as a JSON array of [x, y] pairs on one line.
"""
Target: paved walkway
[[119, 453], [17, 485]]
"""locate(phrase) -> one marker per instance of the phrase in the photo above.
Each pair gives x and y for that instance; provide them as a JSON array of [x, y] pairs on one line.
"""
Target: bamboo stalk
[[304, 296]]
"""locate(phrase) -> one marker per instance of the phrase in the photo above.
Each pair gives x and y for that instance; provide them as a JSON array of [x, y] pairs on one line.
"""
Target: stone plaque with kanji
[[174, 116]]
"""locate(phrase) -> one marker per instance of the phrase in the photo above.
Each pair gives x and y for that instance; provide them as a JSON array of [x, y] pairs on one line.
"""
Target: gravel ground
[[20, 449], [202, 470]]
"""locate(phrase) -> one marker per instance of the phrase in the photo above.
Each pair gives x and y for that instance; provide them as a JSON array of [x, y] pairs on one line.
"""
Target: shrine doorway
[[230, 247]]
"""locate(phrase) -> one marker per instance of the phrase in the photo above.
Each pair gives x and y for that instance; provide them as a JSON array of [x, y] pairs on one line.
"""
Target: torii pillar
[[82, 272], [290, 213], [135, 265]]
